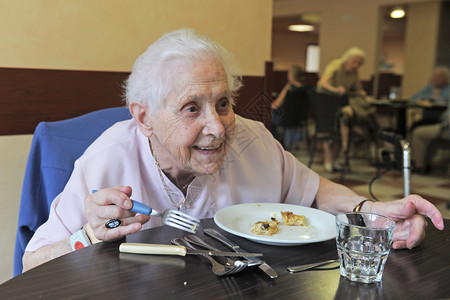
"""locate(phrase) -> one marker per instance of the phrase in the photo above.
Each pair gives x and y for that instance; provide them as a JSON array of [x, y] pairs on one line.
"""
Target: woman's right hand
[[112, 203]]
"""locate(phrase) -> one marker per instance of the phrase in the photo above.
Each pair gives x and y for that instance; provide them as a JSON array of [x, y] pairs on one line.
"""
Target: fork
[[217, 268], [239, 264], [177, 219], [193, 239], [232, 266], [169, 217]]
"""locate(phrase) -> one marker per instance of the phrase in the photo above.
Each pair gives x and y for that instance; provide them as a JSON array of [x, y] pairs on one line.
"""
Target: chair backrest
[[54, 149], [326, 108], [295, 108]]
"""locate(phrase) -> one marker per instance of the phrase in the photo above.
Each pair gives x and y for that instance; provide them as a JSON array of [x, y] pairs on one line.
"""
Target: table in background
[[100, 271], [399, 109]]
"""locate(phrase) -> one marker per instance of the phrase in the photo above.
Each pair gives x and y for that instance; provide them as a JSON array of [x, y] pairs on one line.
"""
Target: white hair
[[445, 72], [352, 52], [154, 72]]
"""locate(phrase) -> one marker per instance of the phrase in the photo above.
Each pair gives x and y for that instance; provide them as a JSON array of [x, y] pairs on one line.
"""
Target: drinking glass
[[363, 242]]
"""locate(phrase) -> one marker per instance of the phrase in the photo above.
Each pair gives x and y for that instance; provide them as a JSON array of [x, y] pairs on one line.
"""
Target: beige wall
[[110, 34], [345, 23], [289, 48], [421, 43], [347, 26], [14, 153], [393, 49]]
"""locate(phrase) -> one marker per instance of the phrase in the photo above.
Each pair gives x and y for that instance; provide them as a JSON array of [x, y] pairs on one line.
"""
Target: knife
[[253, 261], [141, 248]]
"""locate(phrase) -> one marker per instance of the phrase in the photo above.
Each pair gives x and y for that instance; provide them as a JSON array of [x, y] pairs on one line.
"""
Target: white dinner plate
[[238, 220]]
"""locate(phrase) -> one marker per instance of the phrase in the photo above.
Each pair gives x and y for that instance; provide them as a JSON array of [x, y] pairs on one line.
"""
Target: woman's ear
[[141, 115]]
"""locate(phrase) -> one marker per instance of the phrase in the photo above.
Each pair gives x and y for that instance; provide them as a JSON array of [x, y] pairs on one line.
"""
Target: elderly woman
[[341, 79], [186, 149], [438, 91], [341, 75]]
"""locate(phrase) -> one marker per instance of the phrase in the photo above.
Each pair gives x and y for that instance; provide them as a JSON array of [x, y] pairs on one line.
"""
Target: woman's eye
[[192, 109], [224, 103]]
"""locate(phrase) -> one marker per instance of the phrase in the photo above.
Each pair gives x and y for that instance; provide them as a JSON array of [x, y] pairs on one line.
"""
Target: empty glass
[[363, 243]]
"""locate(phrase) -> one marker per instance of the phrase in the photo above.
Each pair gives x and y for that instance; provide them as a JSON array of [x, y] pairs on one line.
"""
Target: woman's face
[[196, 123], [438, 79], [353, 63]]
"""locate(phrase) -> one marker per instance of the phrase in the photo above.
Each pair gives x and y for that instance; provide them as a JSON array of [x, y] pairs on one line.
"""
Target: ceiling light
[[301, 28], [397, 13]]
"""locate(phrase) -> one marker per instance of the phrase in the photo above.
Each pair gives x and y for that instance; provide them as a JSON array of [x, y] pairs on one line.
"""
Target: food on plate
[[291, 219], [266, 227], [271, 227]]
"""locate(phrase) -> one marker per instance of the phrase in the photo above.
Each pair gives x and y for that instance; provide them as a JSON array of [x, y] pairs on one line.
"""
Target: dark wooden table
[[399, 110], [100, 272]]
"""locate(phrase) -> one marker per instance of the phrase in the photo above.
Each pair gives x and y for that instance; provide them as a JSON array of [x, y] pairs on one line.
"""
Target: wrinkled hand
[[112, 203], [408, 213]]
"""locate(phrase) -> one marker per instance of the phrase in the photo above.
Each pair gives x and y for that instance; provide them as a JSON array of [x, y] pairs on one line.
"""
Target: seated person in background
[[437, 92], [341, 78], [185, 149], [290, 108], [422, 136]]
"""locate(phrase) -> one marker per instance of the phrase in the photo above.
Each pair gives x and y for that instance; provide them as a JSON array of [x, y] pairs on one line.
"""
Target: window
[[312, 58]]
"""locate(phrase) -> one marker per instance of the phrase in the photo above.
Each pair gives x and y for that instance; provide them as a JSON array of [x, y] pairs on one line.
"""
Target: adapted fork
[[169, 217], [217, 268]]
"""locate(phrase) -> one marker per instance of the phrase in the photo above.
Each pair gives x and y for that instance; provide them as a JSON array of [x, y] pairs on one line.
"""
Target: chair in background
[[326, 113], [439, 143], [293, 115], [54, 149]]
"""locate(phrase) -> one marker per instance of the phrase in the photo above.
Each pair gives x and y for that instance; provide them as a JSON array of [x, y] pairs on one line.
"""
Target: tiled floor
[[434, 186]]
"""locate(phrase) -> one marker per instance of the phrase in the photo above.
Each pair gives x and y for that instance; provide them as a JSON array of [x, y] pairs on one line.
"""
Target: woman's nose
[[214, 126]]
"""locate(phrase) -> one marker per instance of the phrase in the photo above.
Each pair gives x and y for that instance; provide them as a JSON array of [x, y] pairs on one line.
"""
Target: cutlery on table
[[169, 217], [252, 261], [142, 248], [195, 240], [217, 268], [299, 268]]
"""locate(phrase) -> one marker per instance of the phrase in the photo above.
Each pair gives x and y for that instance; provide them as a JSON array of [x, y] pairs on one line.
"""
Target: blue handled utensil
[[170, 217]]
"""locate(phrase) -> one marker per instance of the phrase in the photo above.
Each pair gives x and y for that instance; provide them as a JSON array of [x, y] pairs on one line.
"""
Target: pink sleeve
[[66, 214], [300, 183]]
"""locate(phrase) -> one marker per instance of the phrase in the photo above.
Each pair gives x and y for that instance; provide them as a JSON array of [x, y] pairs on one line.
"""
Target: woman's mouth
[[208, 149]]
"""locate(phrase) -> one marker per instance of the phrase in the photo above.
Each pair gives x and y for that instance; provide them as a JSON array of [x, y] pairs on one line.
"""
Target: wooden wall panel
[[253, 101], [29, 96]]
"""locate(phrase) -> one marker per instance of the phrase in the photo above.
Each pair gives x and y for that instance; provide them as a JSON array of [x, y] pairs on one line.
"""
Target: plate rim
[[267, 240]]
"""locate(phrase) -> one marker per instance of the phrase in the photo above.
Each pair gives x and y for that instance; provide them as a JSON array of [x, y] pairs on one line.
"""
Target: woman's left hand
[[409, 214]]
